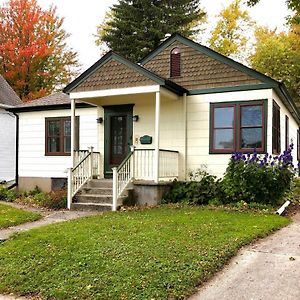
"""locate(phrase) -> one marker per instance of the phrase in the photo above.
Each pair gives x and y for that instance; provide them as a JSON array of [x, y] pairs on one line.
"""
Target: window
[[58, 136], [287, 138], [237, 127], [276, 129], [175, 63]]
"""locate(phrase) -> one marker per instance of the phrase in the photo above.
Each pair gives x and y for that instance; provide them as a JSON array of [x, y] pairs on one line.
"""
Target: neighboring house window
[[276, 129], [175, 62], [58, 136], [237, 127], [287, 137]]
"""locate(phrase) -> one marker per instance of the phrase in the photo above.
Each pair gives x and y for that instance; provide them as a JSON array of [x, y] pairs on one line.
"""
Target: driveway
[[269, 269]]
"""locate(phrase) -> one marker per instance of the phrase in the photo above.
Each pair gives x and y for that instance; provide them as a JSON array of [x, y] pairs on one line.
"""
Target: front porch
[[121, 154]]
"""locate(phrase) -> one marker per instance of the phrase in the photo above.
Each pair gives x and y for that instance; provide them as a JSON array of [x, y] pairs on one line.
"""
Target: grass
[[161, 253], [10, 216]]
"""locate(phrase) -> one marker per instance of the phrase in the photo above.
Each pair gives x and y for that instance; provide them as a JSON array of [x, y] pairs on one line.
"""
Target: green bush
[[6, 194], [293, 194], [201, 189], [261, 179]]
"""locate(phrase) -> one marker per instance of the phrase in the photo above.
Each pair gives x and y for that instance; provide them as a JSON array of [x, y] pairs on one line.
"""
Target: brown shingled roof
[[53, 99], [7, 95]]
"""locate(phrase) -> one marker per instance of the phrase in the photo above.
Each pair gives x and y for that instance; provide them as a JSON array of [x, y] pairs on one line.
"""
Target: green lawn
[[10, 216], [151, 254]]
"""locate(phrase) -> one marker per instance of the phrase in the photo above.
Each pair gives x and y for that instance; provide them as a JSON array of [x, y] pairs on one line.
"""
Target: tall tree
[[135, 27], [34, 57], [278, 56], [231, 33]]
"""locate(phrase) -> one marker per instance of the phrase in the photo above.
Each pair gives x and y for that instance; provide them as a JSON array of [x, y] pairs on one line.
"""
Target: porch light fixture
[[100, 120], [135, 118]]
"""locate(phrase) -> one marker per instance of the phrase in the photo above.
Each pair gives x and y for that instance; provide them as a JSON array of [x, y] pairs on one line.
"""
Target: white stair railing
[[122, 176], [84, 170]]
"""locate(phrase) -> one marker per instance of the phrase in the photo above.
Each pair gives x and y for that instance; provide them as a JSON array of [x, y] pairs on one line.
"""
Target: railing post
[[70, 183], [115, 189], [132, 149], [91, 150]]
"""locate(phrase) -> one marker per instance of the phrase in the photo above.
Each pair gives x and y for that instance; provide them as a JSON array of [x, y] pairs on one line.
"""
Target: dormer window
[[175, 61]]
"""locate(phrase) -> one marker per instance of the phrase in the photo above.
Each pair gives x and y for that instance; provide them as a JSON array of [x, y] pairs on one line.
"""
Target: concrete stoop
[[95, 195]]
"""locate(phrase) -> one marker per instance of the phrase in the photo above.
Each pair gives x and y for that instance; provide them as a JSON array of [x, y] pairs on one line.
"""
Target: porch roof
[[114, 71]]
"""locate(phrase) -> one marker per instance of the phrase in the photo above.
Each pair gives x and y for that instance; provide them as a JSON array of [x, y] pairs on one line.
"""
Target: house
[[183, 106], [8, 99]]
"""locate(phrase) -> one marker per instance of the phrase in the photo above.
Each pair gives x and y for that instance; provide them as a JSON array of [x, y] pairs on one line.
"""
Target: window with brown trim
[[287, 136], [237, 127], [175, 62], [276, 129], [58, 135]]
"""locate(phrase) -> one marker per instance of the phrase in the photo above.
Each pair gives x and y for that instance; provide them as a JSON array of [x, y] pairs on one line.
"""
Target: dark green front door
[[117, 135]]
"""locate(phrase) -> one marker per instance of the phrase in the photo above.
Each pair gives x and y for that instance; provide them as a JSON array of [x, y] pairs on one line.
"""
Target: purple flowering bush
[[258, 178]]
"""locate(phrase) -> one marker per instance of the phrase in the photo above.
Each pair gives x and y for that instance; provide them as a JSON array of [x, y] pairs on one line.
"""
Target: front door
[[118, 135]]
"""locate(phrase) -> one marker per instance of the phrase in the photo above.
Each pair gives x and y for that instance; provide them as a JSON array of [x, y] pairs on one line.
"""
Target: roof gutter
[[5, 106]]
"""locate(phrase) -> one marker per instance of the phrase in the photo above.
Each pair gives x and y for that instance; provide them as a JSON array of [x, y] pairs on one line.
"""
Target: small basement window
[[58, 136], [175, 63]]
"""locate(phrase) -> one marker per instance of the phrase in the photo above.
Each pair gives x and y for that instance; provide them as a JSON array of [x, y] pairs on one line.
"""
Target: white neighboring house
[[8, 99], [182, 106]]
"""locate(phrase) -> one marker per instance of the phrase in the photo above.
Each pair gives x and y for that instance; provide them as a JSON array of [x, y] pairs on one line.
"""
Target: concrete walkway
[[49, 217], [269, 269]]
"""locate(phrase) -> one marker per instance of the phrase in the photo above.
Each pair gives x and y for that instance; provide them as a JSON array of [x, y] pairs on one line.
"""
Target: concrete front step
[[91, 198], [91, 206], [99, 183], [95, 191]]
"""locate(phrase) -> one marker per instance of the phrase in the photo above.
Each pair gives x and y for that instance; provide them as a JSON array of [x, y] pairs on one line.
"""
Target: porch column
[[157, 131], [73, 134]]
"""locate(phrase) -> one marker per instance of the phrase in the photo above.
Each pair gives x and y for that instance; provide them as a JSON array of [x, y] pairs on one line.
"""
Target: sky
[[82, 18]]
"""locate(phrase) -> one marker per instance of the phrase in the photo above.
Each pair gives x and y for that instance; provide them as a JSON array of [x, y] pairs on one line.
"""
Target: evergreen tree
[[135, 27]]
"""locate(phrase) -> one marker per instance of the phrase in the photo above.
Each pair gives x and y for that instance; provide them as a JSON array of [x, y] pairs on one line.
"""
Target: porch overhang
[[115, 92]]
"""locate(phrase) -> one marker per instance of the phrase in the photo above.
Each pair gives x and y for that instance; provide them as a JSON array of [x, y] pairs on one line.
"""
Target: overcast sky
[[82, 18]]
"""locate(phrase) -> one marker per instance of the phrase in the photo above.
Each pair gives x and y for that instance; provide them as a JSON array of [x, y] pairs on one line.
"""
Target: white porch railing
[[87, 166], [168, 164], [139, 165], [122, 176]]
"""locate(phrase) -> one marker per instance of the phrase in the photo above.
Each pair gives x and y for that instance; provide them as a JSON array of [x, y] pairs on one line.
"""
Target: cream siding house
[[182, 107], [8, 99]]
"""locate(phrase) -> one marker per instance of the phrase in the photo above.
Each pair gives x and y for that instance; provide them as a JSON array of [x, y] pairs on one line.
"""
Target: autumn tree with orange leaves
[[34, 56]]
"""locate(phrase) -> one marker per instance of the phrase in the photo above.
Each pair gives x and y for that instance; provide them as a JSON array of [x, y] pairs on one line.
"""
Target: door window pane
[[223, 139], [251, 116], [223, 117], [67, 144], [251, 138]]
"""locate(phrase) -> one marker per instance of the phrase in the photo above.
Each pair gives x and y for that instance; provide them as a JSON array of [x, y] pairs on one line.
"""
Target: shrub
[[6, 194], [261, 179], [201, 189], [293, 194], [52, 200], [55, 199]]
